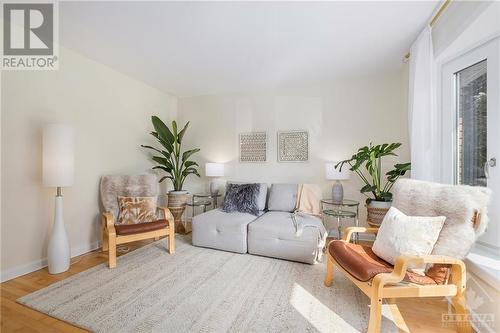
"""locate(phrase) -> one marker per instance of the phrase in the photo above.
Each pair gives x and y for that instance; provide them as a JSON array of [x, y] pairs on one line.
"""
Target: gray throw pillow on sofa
[[262, 196], [283, 197], [241, 198]]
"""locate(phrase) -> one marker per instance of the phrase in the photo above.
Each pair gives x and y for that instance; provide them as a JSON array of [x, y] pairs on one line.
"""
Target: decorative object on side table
[[214, 170], [253, 147], [335, 174], [58, 171], [340, 210], [371, 158], [293, 146], [175, 163]]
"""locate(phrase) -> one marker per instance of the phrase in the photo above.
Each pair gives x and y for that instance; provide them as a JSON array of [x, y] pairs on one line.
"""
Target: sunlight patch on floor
[[315, 312]]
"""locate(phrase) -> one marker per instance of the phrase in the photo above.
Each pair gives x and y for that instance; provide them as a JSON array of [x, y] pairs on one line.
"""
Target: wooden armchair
[[464, 208], [114, 234], [397, 281]]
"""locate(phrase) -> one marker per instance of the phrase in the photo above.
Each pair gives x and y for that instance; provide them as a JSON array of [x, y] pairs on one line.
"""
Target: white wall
[[340, 118], [111, 115]]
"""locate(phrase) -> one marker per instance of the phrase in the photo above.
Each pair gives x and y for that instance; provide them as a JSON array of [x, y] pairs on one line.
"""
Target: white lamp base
[[58, 251], [337, 192]]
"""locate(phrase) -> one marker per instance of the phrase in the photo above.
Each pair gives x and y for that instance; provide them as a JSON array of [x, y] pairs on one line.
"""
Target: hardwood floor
[[418, 315]]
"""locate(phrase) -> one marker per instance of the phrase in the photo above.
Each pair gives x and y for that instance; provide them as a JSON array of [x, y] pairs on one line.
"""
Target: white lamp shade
[[214, 169], [58, 155], [335, 174]]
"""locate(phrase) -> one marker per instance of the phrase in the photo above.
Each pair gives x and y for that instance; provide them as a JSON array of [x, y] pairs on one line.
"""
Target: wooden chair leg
[[105, 244], [460, 309], [112, 251], [171, 242], [329, 272], [375, 314]]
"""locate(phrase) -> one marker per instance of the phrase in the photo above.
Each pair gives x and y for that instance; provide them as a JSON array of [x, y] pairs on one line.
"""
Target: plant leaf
[[188, 153], [187, 164], [162, 130], [182, 132]]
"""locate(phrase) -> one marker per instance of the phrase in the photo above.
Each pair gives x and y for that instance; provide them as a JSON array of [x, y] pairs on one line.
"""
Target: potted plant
[[379, 195], [175, 163]]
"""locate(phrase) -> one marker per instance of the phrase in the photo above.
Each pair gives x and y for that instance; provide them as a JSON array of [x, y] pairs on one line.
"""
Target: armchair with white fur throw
[[131, 213], [425, 265]]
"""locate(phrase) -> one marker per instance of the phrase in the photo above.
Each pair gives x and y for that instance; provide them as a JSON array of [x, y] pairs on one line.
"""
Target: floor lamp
[[58, 171]]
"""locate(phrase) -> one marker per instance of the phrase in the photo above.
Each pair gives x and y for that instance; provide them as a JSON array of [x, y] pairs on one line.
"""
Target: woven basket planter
[[376, 215]]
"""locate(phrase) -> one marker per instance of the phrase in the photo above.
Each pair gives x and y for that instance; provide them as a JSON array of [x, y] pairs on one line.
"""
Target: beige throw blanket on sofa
[[308, 203]]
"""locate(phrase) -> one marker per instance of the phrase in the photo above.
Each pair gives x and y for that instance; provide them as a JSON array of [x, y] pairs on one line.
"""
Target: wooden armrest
[[108, 223], [349, 231], [402, 263], [167, 215]]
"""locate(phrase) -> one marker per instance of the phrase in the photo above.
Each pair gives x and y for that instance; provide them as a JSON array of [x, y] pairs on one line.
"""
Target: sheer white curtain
[[422, 112]]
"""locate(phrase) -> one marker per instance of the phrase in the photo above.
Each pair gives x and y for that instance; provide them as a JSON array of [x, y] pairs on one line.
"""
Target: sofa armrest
[[351, 230]]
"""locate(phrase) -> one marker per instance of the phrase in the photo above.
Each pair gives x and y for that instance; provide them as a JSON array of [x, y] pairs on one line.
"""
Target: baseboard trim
[[20, 270]]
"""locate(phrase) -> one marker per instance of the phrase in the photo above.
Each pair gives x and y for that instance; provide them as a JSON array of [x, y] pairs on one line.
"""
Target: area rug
[[204, 290]]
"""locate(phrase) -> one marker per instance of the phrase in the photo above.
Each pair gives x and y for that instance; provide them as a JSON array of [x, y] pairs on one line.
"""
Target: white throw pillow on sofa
[[400, 234]]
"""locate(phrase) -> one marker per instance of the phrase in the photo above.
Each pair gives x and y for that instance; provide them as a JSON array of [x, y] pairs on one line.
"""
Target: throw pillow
[[400, 234], [241, 198], [136, 210], [283, 197]]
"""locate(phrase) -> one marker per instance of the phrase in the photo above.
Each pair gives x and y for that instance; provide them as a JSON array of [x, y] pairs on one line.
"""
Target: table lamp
[[58, 171], [337, 175], [214, 170]]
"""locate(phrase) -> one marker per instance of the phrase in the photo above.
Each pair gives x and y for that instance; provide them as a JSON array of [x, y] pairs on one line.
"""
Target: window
[[471, 85]]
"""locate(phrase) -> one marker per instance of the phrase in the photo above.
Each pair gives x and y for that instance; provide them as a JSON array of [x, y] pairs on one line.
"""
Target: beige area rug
[[204, 290]]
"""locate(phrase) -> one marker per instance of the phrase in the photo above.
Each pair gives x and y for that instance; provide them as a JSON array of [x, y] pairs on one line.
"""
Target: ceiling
[[198, 48]]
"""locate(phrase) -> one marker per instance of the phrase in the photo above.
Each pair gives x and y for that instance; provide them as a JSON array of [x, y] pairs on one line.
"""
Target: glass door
[[470, 101]]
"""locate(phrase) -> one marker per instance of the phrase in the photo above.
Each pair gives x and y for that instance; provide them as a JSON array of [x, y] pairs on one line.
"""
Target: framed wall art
[[253, 147], [293, 146]]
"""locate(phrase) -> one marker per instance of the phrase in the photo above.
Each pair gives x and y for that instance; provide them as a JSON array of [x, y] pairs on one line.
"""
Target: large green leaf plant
[[370, 158], [171, 158]]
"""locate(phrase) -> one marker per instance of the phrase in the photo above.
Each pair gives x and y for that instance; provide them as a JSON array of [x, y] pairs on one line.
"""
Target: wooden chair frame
[[390, 285], [110, 239]]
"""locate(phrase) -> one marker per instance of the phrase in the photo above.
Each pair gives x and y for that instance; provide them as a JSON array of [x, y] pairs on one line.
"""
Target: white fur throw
[[401, 234], [458, 203], [127, 186]]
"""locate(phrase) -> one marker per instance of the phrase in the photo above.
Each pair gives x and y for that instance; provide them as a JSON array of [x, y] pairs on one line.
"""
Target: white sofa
[[272, 233]]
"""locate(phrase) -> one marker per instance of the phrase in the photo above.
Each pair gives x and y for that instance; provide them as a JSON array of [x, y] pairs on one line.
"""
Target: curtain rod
[[433, 21]]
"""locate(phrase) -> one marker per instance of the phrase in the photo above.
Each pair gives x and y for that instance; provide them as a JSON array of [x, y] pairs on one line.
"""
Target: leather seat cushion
[[363, 264], [130, 229]]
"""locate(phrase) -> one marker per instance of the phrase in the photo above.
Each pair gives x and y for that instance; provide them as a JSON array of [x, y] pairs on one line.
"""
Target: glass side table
[[198, 203], [212, 197], [339, 210]]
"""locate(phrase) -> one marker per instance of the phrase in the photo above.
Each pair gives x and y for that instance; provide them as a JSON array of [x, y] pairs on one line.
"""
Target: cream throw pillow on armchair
[[400, 234]]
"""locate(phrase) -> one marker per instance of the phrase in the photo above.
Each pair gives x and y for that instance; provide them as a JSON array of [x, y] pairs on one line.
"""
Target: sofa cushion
[[274, 235], [282, 197], [224, 231], [137, 228], [363, 264], [262, 198]]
